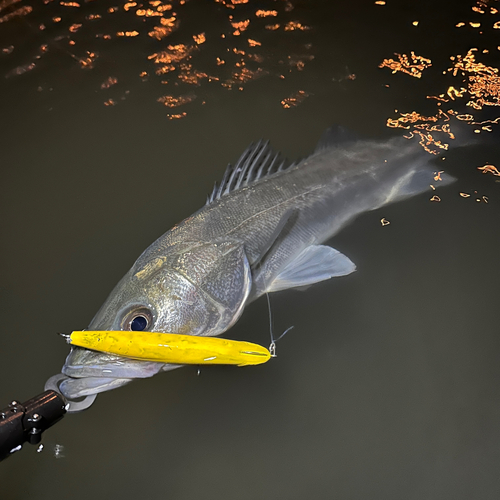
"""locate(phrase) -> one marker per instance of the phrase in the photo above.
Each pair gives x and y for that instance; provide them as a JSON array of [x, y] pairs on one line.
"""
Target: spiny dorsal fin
[[258, 161]]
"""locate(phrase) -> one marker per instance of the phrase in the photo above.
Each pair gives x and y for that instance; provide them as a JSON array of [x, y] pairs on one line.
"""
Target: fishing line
[[272, 346]]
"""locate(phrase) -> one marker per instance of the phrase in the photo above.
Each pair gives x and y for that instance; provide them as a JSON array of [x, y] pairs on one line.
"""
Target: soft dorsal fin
[[258, 161], [335, 136]]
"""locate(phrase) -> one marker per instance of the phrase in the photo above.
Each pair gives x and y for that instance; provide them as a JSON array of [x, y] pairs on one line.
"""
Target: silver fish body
[[261, 231]]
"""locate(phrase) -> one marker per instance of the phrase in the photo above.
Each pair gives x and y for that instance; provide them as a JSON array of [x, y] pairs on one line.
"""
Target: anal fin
[[315, 263]]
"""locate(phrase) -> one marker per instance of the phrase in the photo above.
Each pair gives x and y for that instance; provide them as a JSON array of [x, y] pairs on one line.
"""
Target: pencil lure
[[172, 348]]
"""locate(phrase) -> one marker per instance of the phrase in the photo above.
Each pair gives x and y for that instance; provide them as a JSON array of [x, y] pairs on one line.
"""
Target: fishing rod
[[25, 422]]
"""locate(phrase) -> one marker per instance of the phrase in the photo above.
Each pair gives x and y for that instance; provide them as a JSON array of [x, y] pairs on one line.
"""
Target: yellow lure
[[172, 348]]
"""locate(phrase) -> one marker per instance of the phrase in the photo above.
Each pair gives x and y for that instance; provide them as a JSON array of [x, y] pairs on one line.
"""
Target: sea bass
[[260, 231]]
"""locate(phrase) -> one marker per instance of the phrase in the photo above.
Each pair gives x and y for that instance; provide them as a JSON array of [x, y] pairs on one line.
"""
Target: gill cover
[[193, 289]]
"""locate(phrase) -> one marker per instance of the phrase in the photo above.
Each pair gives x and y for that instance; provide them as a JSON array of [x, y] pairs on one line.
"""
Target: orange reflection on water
[[299, 61], [172, 102], [199, 39], [20, 70], [266, 13], [453, 92], [191, 76], [484, 82], [88, 62], [109, 82], [177, 116], [412, 65], [173, 54], [243, 76], [167, 27], [70, 4], [147, 13], [489, 169], [295, 26], [240, 26], [295, 99], [127, 33], [435, 198], [22, 11]]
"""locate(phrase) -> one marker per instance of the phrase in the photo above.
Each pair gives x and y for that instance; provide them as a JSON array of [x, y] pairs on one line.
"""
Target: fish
[[172, 347], [261, 230]]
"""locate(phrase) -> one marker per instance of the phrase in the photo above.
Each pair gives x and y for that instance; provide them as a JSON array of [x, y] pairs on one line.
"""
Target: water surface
[[388, 385]]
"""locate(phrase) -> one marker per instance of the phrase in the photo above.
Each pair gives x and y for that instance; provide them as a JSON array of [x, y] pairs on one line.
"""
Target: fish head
[[198, 289]]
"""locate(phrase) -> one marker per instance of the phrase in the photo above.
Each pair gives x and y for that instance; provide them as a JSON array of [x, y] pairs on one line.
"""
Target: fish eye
[[139, 323], [138, 320]]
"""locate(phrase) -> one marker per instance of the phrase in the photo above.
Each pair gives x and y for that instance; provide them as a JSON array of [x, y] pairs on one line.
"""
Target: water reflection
[[388, 386]]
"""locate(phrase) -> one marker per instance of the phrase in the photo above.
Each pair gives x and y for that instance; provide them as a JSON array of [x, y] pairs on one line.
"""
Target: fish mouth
[[91, 372]]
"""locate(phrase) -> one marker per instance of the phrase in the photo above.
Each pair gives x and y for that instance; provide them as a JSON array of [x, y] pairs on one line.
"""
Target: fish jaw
[[92, 372]]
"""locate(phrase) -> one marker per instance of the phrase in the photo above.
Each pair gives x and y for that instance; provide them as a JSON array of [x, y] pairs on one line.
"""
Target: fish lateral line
[[171, 347]]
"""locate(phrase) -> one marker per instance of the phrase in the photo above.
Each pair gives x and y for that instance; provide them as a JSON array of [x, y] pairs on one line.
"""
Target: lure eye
[[138, 320]]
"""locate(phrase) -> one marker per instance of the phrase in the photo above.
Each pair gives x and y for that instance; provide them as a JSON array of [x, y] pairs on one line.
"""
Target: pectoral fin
[[315, 263]]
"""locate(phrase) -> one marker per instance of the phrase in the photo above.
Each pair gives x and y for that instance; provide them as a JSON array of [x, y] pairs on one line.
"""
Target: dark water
[[388, 387]]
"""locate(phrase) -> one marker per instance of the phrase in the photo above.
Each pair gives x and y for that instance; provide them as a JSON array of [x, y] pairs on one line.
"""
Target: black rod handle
[[21, 422]]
